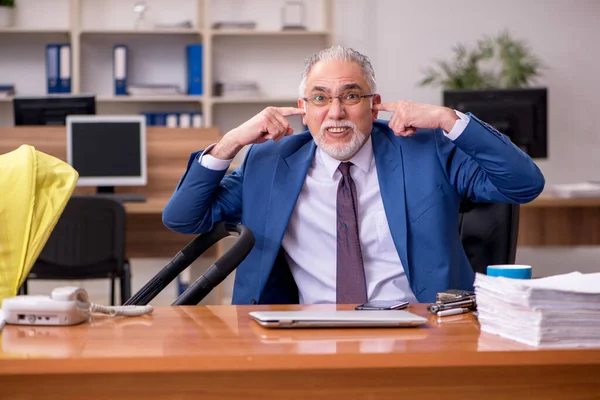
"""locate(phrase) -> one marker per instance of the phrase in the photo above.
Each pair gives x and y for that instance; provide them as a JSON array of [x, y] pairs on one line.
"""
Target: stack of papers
[[237, 89], [582, 189], [557, 311], [6, 91], [149, 90]]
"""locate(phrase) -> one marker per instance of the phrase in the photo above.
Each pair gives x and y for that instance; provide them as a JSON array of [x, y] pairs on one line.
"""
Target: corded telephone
[[67, 305]]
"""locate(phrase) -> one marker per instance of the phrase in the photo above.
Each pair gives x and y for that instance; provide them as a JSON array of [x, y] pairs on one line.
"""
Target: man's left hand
[[408, 116]]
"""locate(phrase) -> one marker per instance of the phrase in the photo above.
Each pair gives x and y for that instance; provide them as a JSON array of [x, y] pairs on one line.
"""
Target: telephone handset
[[65, 306]]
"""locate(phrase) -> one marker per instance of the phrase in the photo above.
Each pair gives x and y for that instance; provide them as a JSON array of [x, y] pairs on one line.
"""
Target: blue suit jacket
[[422, 179]]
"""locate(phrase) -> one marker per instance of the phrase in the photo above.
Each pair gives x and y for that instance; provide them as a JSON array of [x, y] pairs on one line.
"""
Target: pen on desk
[[452, 311]]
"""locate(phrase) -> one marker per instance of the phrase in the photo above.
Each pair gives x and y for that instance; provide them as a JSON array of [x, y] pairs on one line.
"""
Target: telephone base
[[42, 310]]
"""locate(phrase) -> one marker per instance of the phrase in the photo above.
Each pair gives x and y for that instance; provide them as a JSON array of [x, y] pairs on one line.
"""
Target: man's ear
[[302, 104], [376, 100]]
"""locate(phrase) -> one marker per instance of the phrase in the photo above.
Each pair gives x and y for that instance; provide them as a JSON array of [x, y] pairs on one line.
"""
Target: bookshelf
[[157, 55]]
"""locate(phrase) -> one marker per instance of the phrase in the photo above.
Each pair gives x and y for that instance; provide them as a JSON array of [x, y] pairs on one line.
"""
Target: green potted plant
[[500, 62], [6, 12], [494, 82]]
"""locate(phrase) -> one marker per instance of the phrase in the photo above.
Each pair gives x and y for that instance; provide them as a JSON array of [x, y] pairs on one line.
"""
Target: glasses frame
[[364, 96]]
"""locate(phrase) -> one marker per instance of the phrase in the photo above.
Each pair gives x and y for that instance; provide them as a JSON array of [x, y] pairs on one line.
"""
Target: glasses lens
[[351, 99], [319, 100], [348, 99]]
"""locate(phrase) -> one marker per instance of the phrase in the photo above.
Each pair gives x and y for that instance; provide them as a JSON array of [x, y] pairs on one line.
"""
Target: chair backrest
[[88, 239], [489, 233]]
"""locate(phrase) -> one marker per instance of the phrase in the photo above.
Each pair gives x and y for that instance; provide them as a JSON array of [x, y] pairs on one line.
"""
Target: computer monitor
[[51, 109], [521, 114], [108, 151]]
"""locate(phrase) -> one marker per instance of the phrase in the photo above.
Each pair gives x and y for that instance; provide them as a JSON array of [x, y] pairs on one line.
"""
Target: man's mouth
[[337, 131]]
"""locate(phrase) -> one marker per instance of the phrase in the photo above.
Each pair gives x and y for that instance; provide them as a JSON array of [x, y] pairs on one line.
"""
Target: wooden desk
[[553, 221], [218, 352]]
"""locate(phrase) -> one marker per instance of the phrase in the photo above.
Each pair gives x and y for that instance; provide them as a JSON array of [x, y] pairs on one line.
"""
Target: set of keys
[[453, 302]]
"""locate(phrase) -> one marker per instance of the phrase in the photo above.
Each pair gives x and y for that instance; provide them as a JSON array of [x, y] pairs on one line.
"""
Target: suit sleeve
[[485, 166], [204, 197]]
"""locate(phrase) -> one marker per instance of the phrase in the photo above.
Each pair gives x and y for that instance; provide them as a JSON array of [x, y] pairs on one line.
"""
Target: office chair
[[215, 274], [88, 242], [489, 233]]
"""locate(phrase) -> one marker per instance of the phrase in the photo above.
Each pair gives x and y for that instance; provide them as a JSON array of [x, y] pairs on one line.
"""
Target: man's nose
[[336, 109]]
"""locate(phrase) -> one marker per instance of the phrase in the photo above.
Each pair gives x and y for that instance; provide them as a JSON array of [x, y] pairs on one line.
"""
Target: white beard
[[341, 151]]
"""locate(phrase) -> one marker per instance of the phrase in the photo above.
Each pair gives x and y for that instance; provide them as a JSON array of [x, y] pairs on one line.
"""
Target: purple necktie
[[350, 281]]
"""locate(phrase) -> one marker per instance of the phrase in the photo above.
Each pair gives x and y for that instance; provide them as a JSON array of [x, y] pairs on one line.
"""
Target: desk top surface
[[547, 199], [217, 338], [154, 205]]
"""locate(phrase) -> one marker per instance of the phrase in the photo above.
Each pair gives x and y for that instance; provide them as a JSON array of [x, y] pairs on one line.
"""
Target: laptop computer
[[337, 319]]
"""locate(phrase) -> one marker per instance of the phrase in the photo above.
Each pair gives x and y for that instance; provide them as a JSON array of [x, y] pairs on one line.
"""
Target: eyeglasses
[[347, 99]]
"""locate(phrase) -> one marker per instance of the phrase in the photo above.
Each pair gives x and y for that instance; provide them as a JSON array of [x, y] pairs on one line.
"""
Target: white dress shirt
[[310, 238]]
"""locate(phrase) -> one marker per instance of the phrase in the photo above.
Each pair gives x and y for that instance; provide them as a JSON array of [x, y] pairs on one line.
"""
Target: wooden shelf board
[[250, 32], [17, 30], [149, 99], [171, 31], [254, 100]]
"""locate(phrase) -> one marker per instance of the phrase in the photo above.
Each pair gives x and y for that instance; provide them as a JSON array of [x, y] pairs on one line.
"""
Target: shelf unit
[[91, 25]]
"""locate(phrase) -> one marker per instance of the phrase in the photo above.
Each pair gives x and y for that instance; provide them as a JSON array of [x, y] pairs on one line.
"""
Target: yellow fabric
[[34, 190]]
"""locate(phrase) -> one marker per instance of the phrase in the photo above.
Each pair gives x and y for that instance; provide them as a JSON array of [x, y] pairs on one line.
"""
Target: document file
[[557, 311]]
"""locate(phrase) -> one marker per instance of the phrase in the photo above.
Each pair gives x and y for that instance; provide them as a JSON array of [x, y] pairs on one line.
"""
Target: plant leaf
[[518, 67]]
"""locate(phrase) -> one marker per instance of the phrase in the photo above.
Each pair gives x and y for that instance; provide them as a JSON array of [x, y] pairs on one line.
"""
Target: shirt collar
[[363, 160]]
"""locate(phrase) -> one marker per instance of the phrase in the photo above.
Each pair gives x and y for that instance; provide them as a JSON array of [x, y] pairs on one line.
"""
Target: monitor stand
[[109, 191]]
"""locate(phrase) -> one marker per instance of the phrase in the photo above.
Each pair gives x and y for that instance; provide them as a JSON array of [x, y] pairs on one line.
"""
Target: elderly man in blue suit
[[354, 209]]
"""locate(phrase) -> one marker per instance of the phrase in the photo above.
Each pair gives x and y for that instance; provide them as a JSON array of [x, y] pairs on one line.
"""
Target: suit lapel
[[390, 173], [290, 174]]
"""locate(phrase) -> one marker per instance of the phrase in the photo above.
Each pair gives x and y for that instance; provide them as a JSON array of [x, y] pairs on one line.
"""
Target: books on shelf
[[64, 71], [186, 24], [242, 25], [193, 54], [124, 87], [58, 68], [237, 89], [153, 90], [120, 69], [552, 312], [172, 119]]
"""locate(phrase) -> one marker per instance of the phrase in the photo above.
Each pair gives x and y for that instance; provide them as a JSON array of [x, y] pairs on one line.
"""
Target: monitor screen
[[107, 151], [520, 114], [51, 109]]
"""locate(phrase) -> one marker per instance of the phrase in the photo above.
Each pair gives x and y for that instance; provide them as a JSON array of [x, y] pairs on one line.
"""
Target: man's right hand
[[270, 124]]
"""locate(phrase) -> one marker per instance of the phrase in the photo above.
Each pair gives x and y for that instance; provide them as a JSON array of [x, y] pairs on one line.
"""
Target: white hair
[[339, 53]]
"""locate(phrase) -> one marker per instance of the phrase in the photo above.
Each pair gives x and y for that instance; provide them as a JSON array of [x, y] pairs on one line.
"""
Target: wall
[[404, 37], [401, 37]]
